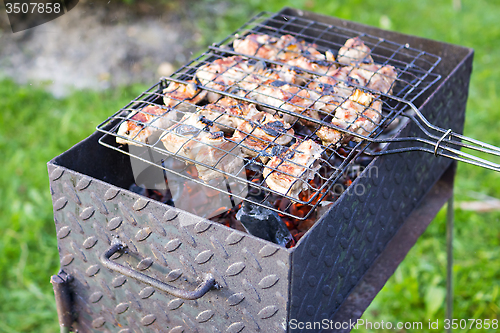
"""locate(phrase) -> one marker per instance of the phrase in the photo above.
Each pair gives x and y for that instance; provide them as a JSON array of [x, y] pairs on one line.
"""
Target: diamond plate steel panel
[[169, 245]]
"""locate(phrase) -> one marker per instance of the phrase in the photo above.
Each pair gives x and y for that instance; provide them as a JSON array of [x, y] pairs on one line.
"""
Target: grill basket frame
[[414, 76]]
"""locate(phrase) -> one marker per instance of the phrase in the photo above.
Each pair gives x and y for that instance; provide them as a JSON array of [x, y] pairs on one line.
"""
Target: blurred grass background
[[35, 127]]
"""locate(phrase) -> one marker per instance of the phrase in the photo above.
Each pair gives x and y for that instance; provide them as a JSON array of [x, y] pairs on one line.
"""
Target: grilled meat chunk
[[263, 46], [369, 119], [286, 96], [294, 167], [288, 50], [143, 124], [336, 87], [376, 77], [373, 76], [216, 151], [177, 93], [197, 138], [362, 70], [233, 72], [330, 136], [261, 133], [228, 113], [332, 89], [224, 71], [354, 52], [359, 114], [191, 126]]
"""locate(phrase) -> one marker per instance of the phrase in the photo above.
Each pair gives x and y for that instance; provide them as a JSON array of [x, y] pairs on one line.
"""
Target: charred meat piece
[[197, 138], [143, 124], [177, 93], [364, 71], [292, 48], [338, 85], [361, 114], [294, 167], [191, 126], [217, 152], [302, 55], [233, 72], [286, 49], [217, 75], [263, 46], [376, 77], [330, 136], [289, 74], [229, 113], [258, 136], [332, 89], [354, 52], [369, 119], [253, 81], [307, 60], [212, 72], [286, 96]]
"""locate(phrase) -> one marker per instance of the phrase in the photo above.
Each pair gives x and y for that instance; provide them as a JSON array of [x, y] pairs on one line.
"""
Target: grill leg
[[449, 263], [63, 300]]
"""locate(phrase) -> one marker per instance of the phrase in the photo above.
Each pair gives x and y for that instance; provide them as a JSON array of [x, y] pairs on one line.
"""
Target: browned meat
[[177, 93], [286, 96], [294, 167], [354, 52], [263, 46], [229, 113], [377, 77], [330, 136], [143, 124], [260, 134], [234, 72], [198, 139], [286, 49], [359, 114], [191, 126]]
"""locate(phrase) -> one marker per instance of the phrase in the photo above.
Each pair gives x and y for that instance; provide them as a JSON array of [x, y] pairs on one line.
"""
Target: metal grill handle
[[207, 284], [444, 143]]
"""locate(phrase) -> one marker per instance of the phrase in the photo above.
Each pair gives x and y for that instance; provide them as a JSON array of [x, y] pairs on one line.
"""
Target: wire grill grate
[[286, 91]]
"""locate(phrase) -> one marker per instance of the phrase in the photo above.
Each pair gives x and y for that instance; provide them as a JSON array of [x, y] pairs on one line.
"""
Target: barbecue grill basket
[[415, 75], [115, 244]]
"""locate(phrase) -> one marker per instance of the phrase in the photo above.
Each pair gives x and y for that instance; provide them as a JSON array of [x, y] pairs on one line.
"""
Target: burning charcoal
[[264, 223]]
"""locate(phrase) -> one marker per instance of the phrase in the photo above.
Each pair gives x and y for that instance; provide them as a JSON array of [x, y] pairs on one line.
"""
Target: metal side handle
[[207, 284]]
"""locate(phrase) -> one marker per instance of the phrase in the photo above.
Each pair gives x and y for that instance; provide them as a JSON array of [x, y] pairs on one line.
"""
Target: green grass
[[35, 127]]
